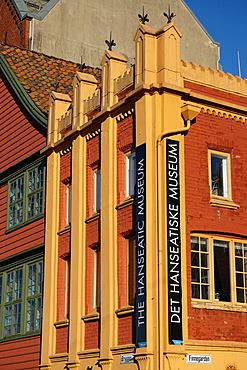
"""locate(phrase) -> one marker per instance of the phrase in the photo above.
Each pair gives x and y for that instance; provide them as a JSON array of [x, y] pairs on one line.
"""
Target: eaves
[[25, 99]]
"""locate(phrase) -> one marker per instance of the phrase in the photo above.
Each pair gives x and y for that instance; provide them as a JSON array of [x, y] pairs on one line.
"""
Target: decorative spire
[[170, 15], [110, 43], [81, 65], [143, 17]]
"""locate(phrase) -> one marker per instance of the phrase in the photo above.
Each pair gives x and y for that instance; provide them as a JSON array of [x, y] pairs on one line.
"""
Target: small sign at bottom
[[199, 359], [127, 359]]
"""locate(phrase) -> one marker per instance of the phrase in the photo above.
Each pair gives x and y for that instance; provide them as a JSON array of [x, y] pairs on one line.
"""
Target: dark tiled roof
[[39, 74]]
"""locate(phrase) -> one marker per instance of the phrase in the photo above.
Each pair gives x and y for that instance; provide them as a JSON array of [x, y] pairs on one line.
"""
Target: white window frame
[[214, 297], [68, 211], [96, 190], [130, 174], [96, 280], [226, 171]]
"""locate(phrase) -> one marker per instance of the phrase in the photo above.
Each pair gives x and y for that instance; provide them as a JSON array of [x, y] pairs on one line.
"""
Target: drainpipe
[[189, 112]]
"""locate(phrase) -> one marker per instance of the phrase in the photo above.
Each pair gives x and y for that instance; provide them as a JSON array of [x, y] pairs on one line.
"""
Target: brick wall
[[62, 337], [224, 135], [13, 30], [91, 336], [125, 227], [125, 143]]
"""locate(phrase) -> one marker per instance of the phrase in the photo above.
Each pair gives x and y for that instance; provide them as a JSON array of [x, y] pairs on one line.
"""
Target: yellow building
[[141, 204]]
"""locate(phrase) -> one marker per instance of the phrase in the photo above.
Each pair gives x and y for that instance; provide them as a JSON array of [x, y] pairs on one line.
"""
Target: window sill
[[217, 305], [61, 323], [128, 201], [223, 202], [25, 223], [64, 230], [122, 349], [124, 310], [90, 353], [60, 357], [95, 216], [94, 316], [19, 336]]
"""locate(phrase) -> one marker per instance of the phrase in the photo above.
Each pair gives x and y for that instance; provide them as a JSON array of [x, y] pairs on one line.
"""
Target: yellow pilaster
[[84, 86], [51, 248], [113, 65], [59, 104], [77, 276], [108, 240]]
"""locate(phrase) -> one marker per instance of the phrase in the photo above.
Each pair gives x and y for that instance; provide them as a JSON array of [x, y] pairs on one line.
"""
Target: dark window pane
[[194, 259], [204, 260], [205, 292], [195, 291], [204, 244], [204, 276], [240, 295], [222, 270], [216, 176], [245, 250], [195, 243], [239, 280], [195, 275], [239, 264], [238, 249]]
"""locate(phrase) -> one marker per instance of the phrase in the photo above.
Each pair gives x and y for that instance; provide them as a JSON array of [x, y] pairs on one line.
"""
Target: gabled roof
[[34, 8], [37, 75]]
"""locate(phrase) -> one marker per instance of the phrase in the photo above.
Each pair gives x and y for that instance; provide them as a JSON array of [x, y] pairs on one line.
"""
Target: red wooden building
[[26, 79]]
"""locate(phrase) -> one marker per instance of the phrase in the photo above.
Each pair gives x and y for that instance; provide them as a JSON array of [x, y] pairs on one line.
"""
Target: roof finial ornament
[[143, 17], [55, 85], [110, 43], [170, 15], [81, 65]]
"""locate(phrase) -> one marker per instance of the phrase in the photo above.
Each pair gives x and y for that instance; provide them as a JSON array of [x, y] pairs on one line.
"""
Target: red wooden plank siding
[[20, 354], [19, 137]]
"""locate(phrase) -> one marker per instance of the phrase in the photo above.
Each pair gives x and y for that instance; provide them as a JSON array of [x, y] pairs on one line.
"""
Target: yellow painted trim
[[124, 310], [211, 303], [225, 203], [221, 201], [91, 353], [61, 323], [65, 230], [61, 357], [127, 202], [214, 346], [125, 348], [95, 216], [91, 317]]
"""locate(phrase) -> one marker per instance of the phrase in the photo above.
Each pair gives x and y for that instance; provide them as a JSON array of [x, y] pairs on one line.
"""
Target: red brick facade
[[125, 226], [13, 30], [212, 132]]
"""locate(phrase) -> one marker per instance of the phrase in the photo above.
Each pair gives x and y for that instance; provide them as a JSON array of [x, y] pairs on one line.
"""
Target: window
[[21, 300], [97, 175], [131, 271], [219, 269], [219, 174], [26, 196], [130, 174], [96, 281], [68, 204]]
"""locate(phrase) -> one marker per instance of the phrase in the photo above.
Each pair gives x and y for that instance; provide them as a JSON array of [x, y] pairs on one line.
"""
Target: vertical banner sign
[[174, 243], [140, 307]]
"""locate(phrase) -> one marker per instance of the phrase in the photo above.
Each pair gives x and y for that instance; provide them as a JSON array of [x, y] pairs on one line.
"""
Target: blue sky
[[225, 21]]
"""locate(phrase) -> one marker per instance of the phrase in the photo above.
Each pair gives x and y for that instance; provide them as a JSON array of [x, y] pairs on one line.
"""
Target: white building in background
[[76, 30]]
